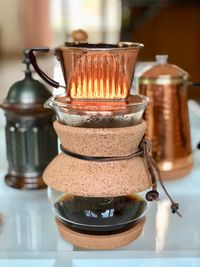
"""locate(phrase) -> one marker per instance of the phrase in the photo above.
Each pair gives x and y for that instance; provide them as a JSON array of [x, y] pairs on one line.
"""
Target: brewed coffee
[[93, 215]]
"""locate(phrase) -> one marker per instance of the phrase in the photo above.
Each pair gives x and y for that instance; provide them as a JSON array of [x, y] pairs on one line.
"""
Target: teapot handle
[[196, 84], [29, 53]]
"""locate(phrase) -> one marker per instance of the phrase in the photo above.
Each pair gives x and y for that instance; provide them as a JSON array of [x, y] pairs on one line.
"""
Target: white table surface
[[28, 235]]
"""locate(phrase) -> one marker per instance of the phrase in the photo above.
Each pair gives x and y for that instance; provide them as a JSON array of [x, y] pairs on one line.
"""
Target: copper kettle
[[167, 117]]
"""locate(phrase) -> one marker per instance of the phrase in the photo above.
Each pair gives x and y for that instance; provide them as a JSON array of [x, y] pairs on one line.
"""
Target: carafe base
[[100, 242]]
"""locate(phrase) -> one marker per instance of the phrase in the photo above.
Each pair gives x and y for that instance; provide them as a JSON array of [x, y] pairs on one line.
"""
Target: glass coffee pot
[[99, 181]]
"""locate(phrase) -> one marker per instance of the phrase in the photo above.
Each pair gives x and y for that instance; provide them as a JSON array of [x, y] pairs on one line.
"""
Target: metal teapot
[[167, 117]]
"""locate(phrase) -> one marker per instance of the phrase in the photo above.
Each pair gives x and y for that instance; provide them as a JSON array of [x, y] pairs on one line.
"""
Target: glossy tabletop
[[28, 235]]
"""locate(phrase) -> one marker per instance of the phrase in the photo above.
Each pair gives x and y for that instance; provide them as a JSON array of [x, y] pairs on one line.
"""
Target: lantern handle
[[29, 53]]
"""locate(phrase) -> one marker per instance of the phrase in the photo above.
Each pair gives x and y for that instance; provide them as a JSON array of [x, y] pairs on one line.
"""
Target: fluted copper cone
[[98, 71]]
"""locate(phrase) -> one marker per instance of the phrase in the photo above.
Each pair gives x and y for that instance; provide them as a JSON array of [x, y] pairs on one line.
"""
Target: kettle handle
[[29, 53]]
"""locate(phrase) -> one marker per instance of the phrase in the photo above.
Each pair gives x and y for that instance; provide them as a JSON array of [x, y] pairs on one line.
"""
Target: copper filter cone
[[98, 71]]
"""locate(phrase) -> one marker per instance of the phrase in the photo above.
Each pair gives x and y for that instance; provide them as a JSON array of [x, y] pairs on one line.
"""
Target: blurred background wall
[[164, 26], [23, 24], [28, 23], [11, 35]]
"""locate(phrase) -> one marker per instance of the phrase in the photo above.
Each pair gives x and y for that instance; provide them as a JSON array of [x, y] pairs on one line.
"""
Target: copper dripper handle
[[30, 54]]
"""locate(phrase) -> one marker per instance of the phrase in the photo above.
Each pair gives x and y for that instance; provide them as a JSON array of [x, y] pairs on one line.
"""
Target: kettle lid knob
[[161, 59], [79, 35]]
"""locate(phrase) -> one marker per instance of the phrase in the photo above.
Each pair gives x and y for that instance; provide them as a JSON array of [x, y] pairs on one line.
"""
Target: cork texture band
[[100, 179], [100, 141]]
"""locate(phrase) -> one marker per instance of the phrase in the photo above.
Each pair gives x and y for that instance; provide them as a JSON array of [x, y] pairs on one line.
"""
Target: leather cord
[[143, 151]]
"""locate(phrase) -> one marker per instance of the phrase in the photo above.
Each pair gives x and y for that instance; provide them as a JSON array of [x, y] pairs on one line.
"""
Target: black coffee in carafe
[[94, 215]]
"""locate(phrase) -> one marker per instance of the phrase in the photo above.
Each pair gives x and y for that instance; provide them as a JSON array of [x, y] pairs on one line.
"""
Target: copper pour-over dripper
[[106, 162], [97, 71], [94, 71]]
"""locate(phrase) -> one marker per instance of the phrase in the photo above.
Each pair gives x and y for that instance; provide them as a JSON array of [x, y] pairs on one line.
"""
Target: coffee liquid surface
[[94, 215]]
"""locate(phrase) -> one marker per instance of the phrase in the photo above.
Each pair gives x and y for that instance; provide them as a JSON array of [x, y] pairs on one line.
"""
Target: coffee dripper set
[[97, 185]]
